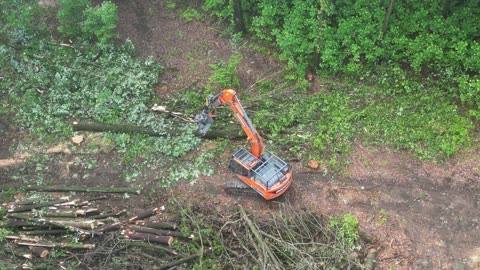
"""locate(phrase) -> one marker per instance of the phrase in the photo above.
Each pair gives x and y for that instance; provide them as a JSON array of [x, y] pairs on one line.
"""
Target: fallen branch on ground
[[148, 237], [83, 189]]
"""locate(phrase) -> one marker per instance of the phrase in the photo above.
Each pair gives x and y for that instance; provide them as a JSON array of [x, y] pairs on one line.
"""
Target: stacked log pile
[[40, 227]]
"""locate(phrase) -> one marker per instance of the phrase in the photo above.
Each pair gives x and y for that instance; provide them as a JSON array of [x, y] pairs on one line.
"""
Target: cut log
[[48, 222], [41, 252], [82, 224], [57, 245], [118, 225], [146, 214], [107, 215], [37, 206], [83, 189], [148, 237], [22, 238], [14, 223], [159, 232], [30, 202], [70, 214], [110, 227], [157, 225], [44, 232]]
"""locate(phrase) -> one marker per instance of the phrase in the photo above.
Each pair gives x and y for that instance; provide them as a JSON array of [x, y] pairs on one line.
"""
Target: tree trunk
[[446, 8], [238, 17], [387, 18], [99, 127]]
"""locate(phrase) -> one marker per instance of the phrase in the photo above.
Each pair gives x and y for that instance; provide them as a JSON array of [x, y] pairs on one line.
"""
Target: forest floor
[[418, 214]]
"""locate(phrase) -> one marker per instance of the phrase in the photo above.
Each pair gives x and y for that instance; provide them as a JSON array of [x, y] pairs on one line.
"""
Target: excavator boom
[[261, 170]]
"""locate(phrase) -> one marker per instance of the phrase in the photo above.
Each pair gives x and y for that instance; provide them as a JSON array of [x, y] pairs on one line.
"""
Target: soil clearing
[[419, 215]]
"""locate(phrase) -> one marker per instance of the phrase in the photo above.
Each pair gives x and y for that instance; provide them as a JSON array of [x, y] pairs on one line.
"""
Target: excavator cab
[[258, 169]]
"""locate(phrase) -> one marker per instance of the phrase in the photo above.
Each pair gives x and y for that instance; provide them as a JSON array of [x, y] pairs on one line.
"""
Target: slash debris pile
[[79, 233], [285, 238]]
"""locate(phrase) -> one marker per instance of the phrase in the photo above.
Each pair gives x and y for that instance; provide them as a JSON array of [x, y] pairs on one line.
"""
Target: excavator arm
[[229, 97]]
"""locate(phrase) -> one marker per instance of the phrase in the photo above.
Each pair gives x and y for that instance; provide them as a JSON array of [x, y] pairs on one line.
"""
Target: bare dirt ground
[[419, 215]]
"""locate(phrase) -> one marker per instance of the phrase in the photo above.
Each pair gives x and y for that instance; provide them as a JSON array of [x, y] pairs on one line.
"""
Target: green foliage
[[18, 25], [382, 216], [299, 38], [3, 212], [426, 124], [206, 237], [322, 123], [3, 233], [346, 229], [71, 16], [223, 10], [267, 26], [436, 40], [171, 5], [224, 75], [79, 19], [352, 39], [100, 22], [76, 84], [190, 14], [469, 88]]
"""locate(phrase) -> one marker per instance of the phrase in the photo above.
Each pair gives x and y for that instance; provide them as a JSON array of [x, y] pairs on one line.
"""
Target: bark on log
[[13, 223], [107, 215], [148, 237], [159, 232], [22, 238], [44, 232], [118, 225], [100, 127], [110, 227], [158, 225], [57, 245], [48, 222], [41, 252], [61, 214], [83, 189], [146, 214], [30, 202], [82, 224], [36, 206], [89, 212]]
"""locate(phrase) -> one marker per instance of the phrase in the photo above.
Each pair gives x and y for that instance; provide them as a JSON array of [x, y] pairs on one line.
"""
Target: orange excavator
[[259, 169]]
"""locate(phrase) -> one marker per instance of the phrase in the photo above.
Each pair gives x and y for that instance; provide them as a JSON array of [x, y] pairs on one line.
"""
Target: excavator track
[[237, 187]]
